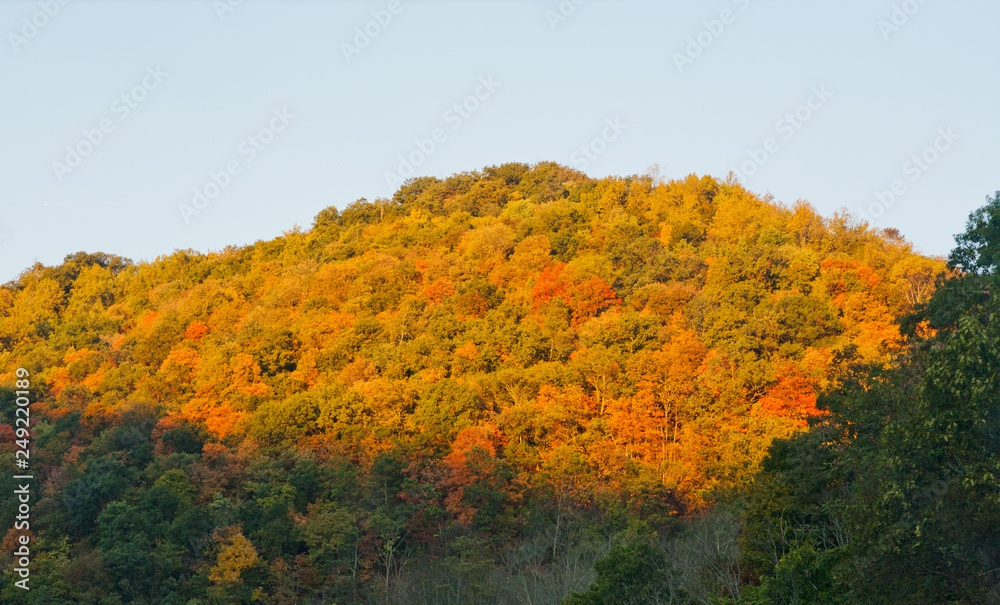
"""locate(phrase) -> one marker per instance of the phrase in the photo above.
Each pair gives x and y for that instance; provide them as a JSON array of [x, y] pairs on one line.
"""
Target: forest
[[515, 386]]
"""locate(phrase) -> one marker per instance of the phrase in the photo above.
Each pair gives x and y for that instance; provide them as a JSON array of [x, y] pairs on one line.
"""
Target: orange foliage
[[244, 376], [73, 355], [148, 319], [861, 296], [466, 351], [615, 387], [546, 421], [180, 365], [792, 398], [845, 276], [359, 370], [464, 355], [589, 298], [195, 331], [635, 425], [11, 541], [59, 379], [586, 298], [467, 441], [93, 381], [549, 285], [218, 417], [439, 290], [306, 373], [472, 457]]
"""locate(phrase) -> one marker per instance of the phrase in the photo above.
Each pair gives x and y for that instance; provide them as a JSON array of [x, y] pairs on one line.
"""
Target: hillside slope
[[483, 358]]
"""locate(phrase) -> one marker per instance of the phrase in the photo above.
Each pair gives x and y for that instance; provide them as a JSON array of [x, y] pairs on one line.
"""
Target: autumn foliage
[[492, 350]]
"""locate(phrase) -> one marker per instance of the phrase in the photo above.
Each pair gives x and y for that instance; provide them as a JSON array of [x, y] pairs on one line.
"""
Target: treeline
[[472, 393], [895, 496]]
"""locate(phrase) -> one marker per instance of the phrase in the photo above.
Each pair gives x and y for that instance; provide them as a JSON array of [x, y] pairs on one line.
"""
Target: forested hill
[[399, 398]]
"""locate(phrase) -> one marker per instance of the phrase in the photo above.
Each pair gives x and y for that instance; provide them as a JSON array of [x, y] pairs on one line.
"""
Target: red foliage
[[794, 397], [7, 437], [439, 290], [196, 330], [591, 297], [550, 284], [586, 298]]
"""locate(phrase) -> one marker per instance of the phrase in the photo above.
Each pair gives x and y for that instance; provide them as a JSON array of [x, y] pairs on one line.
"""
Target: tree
[[236, 555], [895, 496], [629, 575], [978, 249], [473, 390]]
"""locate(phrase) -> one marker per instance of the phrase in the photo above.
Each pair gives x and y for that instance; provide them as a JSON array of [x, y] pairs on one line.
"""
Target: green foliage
[[895, 497], [83, 499], [978, 249], [630, 574]]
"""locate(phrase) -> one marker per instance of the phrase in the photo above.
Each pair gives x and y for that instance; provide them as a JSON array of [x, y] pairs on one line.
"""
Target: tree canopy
[[471, 392]]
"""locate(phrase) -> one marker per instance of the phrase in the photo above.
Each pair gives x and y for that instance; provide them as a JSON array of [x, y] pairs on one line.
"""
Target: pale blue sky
[[222, 80]]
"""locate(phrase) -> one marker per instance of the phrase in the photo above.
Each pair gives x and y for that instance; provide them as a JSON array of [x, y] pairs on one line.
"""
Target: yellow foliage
[[236, 555]]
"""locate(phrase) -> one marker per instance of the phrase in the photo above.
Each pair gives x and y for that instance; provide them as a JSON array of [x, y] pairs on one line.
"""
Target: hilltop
[[506, 355]]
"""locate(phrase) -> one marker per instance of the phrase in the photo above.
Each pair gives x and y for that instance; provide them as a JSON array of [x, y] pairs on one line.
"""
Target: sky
[[139, 128]]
